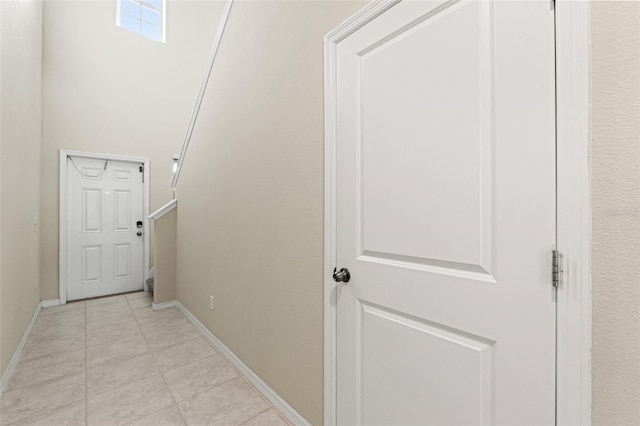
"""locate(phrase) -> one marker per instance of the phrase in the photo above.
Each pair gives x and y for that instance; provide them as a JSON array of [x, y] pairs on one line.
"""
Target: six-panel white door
[[446, 215], [104, 206]]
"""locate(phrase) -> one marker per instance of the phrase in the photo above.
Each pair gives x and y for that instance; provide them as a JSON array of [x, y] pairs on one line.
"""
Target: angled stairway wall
[[164, 225], [250, 227]]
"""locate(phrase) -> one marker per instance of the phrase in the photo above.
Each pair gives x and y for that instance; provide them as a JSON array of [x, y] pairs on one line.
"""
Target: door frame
[[573, 307], [64, 154]]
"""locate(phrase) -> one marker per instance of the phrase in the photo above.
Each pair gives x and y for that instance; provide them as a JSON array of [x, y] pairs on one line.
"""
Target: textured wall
[[20, 139], [111, 91], [616, 212], [250, 227]]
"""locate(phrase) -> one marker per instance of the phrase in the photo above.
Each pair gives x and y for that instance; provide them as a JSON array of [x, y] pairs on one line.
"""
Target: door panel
[[454, 171], [123, 175], [446, 215], [122, 210], [92, 210], [391, 340], [92, 263], [122, 261], [104, 253]]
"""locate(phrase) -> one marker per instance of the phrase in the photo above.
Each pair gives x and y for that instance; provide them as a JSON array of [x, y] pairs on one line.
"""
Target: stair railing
[[203, 87]]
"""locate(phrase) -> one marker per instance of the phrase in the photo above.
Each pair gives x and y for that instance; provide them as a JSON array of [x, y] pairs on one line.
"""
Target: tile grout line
[[42, 382], [264, 398], [150, 414], [240, 375], [124, 385], [135, 319], [138, 321], [36, 412], [215, 354], [259, 414], [208, 389], [157, 366], [25, 419], [236, 364], [130, 356], [33, 414]]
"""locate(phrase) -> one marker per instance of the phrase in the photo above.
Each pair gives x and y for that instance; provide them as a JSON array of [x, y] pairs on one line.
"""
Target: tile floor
[[114, 361]]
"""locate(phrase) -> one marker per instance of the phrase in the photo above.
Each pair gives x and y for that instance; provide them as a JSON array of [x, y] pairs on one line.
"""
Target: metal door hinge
[[557, 268]]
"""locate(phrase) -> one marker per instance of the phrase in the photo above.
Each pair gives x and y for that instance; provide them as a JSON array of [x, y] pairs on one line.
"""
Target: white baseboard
[[275, 399], [163, 305], [50, 303], [16, 355]]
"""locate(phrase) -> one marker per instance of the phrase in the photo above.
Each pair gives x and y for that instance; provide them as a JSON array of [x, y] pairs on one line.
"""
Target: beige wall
[[256, 167], [164, 287], [111, 91], [250, 227], [20, 139], [616, 212]]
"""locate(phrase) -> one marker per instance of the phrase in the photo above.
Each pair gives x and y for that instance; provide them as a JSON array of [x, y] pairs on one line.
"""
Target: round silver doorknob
[[341, 276]]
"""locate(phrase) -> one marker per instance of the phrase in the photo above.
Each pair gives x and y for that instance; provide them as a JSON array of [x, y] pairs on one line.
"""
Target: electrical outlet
[[211, 302]]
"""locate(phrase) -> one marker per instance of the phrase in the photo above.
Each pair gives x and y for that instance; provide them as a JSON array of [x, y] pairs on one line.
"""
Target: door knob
[[139, 233], [342, 276]]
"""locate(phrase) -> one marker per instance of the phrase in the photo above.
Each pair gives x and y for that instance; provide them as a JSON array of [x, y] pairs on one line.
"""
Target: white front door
[[446, 215], [105, 227]]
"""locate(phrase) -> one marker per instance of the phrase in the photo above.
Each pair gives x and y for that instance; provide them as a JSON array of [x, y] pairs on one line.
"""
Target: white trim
[[16, 355], [222, 24], [361, 18], [164, 210], [62, 247], [574, 226], [50, 303], [118, 11], [163, 305], [163, 24], [266, 391], [574, 212]]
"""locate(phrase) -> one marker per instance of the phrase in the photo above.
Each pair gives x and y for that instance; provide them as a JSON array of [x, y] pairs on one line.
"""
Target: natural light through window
[[145, 17]]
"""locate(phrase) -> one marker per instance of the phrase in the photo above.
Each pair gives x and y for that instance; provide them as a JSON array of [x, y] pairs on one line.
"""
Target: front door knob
[[341, 276]]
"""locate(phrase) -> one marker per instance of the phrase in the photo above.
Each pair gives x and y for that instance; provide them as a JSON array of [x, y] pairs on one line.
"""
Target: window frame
[[162, 12]]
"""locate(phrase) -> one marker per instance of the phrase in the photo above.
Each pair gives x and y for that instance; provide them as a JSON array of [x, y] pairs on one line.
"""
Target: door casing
[[64, 154], [573, 327]]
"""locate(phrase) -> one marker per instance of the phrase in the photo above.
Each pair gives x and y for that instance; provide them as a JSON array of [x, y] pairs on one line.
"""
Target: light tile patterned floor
[[114, 361]]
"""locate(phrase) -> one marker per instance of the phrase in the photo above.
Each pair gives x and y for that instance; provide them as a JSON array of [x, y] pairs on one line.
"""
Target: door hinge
[[557, 268]]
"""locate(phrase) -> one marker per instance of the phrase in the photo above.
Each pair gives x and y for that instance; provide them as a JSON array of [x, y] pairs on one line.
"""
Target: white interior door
[[446, 215], [105, 244]]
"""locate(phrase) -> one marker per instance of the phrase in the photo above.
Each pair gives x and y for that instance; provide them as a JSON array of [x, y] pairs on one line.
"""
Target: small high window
[[145, 17]]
